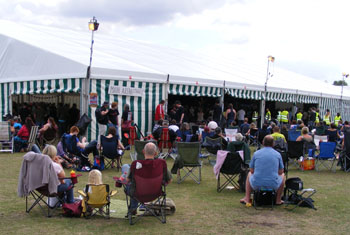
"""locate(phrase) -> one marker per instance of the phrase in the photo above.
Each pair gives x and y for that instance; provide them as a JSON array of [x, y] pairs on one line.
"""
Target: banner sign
[[128, 91], [93, 99]]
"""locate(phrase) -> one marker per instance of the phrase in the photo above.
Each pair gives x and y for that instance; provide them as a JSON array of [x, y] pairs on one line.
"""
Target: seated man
[[266, 170], [218, 134], [277, 134], [150, 151], [158, 133]]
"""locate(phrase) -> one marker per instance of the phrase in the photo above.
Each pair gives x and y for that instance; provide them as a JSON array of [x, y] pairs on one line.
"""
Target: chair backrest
[[109, 146], [327, 150], [293, 135], [236, 146], [32, 136], [139, 146], [69, 143], [5, 132], [206, 134], [320, 138], [97, 195], [189, 152], [212, 145], [280, 145], [164, 141], [188, 137], [231, 134], [148, 179], [295, 149], [232, 164], [347, 140], [50, 134]]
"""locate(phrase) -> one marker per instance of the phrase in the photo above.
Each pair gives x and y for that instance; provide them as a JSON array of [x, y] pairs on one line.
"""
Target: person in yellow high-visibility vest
[[268, 115], [317, 116], [299, 116], [284, 116], [255, 116], [337, 119], [327, 117], [279, 117]]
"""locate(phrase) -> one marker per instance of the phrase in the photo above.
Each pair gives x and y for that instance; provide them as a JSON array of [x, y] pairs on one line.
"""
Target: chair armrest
[[113, 192], [82, 193]]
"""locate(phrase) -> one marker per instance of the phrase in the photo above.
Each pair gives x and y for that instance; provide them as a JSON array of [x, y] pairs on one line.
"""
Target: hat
[[212, 125], [105, 103]]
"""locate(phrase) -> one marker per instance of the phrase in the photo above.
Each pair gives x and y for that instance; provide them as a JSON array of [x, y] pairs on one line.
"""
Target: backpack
[[72, 209], [99, 117]]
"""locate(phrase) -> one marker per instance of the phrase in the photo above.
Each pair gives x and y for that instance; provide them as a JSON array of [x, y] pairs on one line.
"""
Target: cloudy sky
[[310, 37]]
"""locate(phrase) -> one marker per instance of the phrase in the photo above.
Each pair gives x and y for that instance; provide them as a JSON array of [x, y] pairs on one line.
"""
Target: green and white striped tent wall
[[194, 90], [334, 106], [271, 96], [142, 107], [69, 85]]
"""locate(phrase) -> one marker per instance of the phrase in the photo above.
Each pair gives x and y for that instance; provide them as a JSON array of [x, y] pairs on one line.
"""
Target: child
[[95, 177]]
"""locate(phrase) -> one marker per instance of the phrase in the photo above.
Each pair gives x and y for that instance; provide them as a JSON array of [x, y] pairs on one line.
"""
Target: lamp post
[[270, 59], [93, 26], [345, 75]]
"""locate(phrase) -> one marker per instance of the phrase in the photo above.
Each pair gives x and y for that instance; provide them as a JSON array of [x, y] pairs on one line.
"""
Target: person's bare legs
[[279, 191], [248, 190]]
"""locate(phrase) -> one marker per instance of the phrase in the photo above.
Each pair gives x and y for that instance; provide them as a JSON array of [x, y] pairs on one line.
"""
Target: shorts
[[274, 185]]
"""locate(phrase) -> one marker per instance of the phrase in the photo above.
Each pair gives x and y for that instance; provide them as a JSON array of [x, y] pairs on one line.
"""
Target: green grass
[[199, 208]]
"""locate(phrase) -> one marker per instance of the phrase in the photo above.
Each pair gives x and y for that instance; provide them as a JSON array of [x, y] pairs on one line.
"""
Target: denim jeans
[[68, 193], [125, 174], [35, 149]]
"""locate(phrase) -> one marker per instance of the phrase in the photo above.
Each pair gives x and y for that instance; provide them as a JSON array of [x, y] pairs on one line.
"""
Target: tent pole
[[222, 98], [166, 95]]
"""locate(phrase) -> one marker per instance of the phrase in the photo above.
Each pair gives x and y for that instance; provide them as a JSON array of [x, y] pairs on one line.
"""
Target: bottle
[[72, 174]]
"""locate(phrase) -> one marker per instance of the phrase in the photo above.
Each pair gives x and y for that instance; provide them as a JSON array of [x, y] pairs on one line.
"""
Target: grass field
[[199, 208]]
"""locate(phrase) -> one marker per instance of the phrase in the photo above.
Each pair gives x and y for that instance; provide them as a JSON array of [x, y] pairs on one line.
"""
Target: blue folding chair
[[293, 135], [326, 156]]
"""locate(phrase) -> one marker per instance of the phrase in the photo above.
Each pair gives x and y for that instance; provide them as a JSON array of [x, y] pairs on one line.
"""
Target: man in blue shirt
[[266, 170]]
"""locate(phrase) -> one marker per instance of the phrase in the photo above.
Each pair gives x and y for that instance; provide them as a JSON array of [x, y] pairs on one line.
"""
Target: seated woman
[[112, 137], [48, 131], [332, 132], [66, 184], [184, 131], [307, 139], [23, 135], [83, 147], [253, 131]]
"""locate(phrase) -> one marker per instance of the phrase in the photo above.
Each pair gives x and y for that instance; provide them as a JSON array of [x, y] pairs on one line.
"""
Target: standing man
[[217, 111], [312, 118], [180, 112], [337, 119], [241, 115], [284, 116], [113, 117], [159, 115], [266, 170], [255, 116], [102, 118], [268, 115], [299, 115]]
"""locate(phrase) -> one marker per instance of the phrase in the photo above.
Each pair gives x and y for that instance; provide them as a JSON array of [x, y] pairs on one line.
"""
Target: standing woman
[[230, 115], [126, 121]]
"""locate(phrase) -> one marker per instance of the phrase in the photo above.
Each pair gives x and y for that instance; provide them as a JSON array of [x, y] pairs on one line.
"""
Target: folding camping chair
[[230, 169], [6, 139], [46, 180], [165, 143], [188, 153], [69, 144], [148, 189], [295, 151], [253, 139], [33, 137], [96, 199], [281, 146], [320, 138], [212, 146], [109, 151], [344, 156], [236, 146], [326, 156], [139, 146], [294, 186], [293, 135], [231, 134]]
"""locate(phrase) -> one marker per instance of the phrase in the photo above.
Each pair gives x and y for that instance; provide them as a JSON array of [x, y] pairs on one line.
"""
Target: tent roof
[[30, 52]]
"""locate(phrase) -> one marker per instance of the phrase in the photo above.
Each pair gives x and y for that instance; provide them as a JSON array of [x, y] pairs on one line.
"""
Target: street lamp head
[[271, 58], [93, 24], [345, 75]]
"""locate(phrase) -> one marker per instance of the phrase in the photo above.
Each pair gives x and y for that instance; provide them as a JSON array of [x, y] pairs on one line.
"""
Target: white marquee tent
[[45, 60]]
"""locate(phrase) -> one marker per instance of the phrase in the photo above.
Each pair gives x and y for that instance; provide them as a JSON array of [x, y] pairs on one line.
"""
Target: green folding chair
[[188, 152], [139, 146]]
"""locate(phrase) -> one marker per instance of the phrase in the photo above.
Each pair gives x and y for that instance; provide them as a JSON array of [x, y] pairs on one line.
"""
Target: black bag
[[294, 183], [98, 114], [83, 123]]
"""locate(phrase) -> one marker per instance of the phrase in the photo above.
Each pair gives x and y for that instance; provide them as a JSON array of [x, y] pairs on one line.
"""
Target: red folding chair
[[149, 189], [165, 143]]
